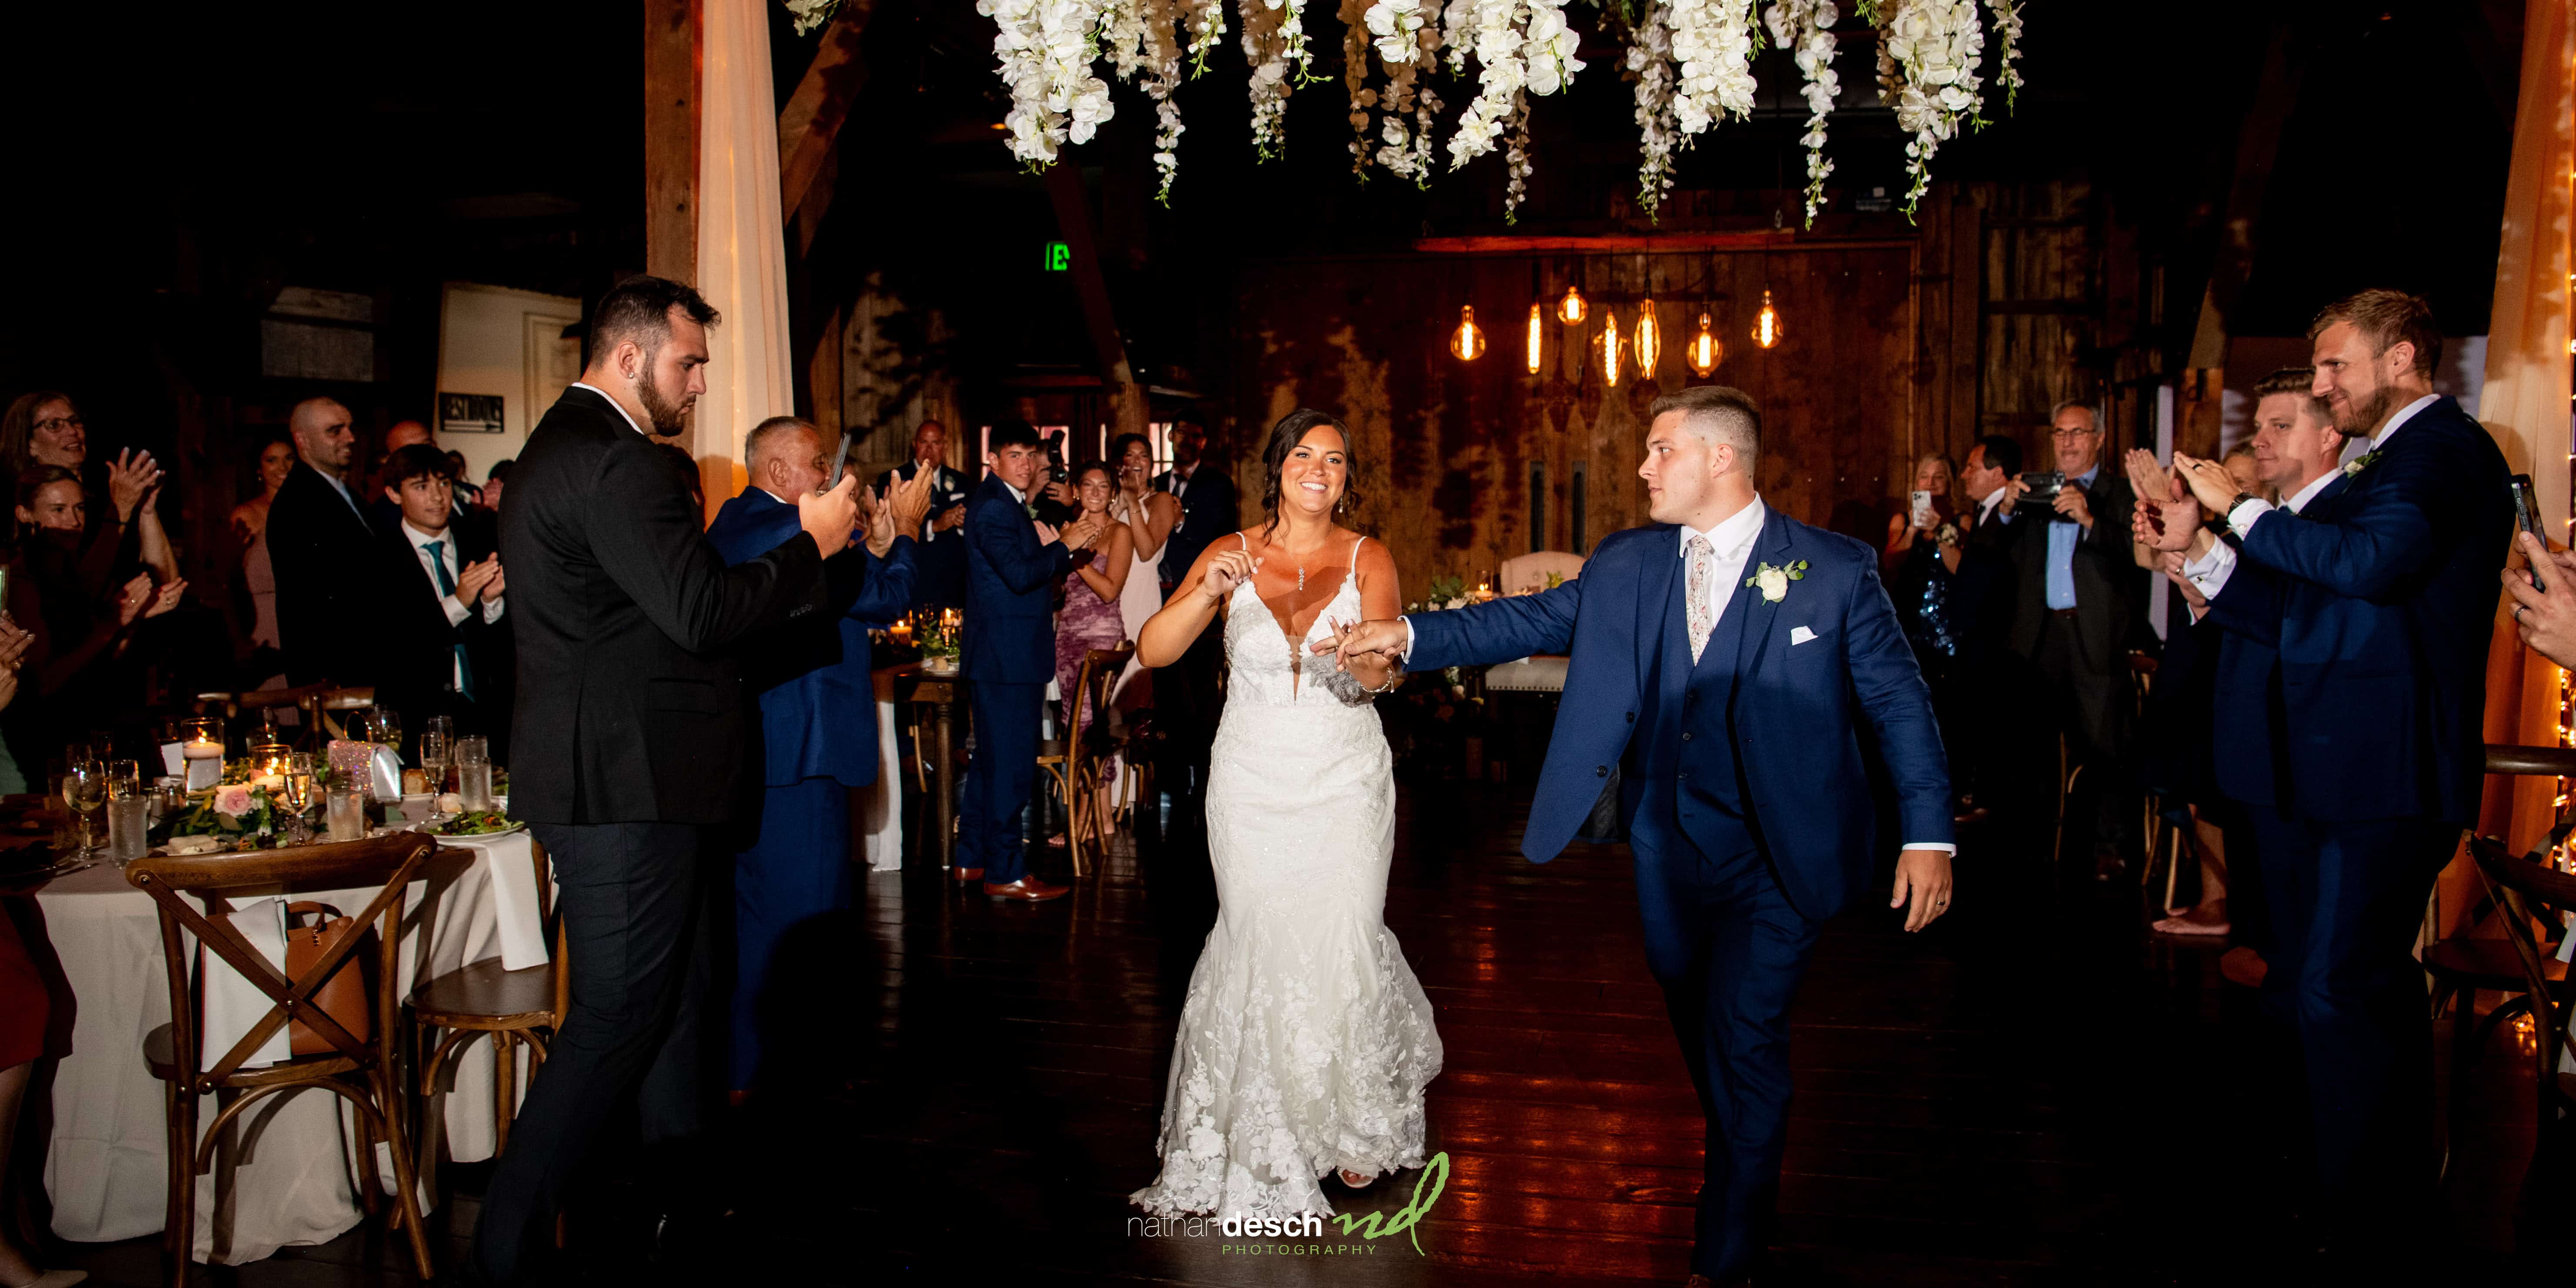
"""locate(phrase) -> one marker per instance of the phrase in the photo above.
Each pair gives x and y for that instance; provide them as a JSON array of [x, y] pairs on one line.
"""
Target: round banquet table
[[286, 1179]]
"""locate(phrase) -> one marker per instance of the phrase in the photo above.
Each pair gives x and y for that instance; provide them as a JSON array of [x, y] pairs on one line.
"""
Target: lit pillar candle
[[205, 759]]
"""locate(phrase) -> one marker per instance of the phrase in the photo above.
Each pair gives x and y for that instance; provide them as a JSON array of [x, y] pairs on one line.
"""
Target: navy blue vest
[[1693, 784]]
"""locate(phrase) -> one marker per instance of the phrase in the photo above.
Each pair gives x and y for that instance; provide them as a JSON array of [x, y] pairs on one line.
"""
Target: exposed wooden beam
[[809, 127], [2258, 144], [1648, 242], [671, 47]]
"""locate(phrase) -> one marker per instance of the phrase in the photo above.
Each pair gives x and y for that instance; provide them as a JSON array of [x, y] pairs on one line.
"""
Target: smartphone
[[2526, 516], [1922, 508], [840, 464]]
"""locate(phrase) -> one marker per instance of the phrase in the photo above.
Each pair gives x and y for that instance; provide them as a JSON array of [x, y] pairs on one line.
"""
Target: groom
[[1718, 656]]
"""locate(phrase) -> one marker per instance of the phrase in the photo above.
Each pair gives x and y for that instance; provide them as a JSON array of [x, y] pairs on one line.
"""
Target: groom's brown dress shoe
[[966, 875], [1026, 890]]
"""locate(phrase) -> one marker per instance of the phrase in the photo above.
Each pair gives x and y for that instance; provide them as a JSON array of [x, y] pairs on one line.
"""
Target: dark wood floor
[[2034, 1092]]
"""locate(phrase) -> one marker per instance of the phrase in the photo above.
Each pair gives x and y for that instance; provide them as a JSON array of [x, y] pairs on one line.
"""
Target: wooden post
[[671, 143], [1073, 218]]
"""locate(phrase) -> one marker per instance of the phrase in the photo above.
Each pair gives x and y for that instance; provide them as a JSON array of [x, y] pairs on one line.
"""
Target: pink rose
[[233, 800]]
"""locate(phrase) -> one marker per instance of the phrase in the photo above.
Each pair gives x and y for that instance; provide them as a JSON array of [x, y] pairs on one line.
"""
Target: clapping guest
[[1091, 618], [35, 1021], [1149, 517], [1012, 564], [125, 531], [79, 637], [818, 720], [939, 550], [448, 649]]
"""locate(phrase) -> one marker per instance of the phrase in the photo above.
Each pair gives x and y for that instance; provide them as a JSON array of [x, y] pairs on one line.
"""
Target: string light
[[1650, 341], [1468, 341], [1705, 350], [1766, 324], [1610, 347], [1570, 309], [1536, 314]]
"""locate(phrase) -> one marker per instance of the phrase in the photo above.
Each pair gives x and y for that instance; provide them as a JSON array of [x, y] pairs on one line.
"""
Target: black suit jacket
[[418, 646], [938, 558], [631, 707], [331, 575], [1208, 511], [2110, 588]]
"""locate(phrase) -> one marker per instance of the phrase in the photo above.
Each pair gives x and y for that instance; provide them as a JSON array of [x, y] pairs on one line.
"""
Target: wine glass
[[85, 789], [296, 794], [386, 729]]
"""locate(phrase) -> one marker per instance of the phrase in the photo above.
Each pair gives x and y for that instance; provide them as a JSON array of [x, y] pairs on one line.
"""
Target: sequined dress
[[1305, 1040]]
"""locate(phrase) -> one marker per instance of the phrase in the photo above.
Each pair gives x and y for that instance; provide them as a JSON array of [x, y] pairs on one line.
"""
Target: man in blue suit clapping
[[1012, 563], [1724, 658], [818, 717], [2379, 598]]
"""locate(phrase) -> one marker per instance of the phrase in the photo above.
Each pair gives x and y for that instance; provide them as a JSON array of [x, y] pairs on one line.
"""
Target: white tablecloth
[[881, 802], [289, 1183]]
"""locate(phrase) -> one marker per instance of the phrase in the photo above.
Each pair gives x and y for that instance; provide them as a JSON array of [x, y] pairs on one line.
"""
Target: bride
[[1305, 1041]]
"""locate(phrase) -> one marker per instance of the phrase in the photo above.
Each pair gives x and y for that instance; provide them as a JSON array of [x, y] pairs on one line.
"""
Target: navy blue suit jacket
[[2381, 600], [1010, 590], [1793, 706], [818, 714]]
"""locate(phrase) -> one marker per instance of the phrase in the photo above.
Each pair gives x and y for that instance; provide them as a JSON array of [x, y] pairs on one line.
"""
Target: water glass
[[124, 779], [345, 813], [127, 826], [474, 772]]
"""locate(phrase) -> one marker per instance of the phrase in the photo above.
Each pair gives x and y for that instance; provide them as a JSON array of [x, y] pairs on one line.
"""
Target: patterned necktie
[[1703, 612], [447, 586]]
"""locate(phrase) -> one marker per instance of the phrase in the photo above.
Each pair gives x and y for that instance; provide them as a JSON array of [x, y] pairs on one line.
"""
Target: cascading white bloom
[[1394, 25], [1650, 65], [1045, 49], [1274, 43], [1805, 28], [1713, 42], [1934, 46], [2007, 48], [1516, 139], [1207, 27], [1519, 46], [1144, 46], [810, 14]]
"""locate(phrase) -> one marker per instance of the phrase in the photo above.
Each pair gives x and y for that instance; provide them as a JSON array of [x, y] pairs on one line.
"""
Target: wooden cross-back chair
[[2526, 893], [1074, 760], [328, 712], [514, 1006], [365, 1072]]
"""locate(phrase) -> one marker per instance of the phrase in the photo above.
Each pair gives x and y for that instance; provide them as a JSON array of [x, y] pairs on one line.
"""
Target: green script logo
[[1384, 1225]]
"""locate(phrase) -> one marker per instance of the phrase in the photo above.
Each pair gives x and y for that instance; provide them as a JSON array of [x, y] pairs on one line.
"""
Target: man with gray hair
[[2078, 605]]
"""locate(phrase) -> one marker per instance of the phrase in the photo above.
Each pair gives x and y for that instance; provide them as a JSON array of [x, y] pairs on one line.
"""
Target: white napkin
[[233, 1004], [512, 864]]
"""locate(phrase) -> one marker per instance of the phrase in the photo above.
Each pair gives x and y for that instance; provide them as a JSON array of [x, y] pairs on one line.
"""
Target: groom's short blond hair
[[1717, 414]]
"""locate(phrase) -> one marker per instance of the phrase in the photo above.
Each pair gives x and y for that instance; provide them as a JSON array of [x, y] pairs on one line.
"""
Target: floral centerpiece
[[240, 807]]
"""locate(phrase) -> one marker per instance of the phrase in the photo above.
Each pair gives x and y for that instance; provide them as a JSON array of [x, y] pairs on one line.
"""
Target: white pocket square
[[1800, 635]]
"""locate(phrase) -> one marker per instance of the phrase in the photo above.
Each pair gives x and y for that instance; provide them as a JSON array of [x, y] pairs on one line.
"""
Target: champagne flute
[[297, 795]]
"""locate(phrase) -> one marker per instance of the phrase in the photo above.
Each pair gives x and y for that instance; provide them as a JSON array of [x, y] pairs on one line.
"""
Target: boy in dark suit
[[448, 652], [1012, 563]]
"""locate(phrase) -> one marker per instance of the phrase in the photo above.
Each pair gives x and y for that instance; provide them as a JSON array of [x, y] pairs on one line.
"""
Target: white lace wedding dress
[[1305, 1040]]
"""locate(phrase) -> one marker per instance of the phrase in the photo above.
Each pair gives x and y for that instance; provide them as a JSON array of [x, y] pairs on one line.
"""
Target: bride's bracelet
[[1394, 677]]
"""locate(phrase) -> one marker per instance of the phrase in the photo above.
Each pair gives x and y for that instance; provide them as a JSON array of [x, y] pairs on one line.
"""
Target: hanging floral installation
[[1806, 29], [1690, 62]]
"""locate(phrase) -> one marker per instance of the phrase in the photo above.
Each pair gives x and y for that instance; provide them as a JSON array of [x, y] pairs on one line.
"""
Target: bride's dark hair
[[1284, 437]]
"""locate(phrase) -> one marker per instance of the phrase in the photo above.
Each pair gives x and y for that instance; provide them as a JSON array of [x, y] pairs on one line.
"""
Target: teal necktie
[[447, 586]]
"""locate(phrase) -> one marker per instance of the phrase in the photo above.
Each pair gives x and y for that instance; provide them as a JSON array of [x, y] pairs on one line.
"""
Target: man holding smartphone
[[2375, 595]]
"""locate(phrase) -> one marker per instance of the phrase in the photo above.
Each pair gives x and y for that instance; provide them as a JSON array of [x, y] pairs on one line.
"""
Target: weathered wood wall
[[1446, 447]]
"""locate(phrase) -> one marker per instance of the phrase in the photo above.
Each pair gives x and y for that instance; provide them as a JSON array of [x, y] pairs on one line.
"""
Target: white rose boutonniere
[[1774, 582], [2359, 463]]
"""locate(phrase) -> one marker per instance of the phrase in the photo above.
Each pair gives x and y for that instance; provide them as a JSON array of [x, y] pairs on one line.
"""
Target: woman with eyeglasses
[[125, 532]]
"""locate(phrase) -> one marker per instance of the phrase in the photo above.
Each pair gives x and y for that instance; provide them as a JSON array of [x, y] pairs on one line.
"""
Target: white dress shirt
[[1986, 508], [2242, 518], [455, 608], [2209, 573], [621, 407]]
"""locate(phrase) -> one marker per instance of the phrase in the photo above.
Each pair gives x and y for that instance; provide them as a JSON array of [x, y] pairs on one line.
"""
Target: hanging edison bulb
[[1610, 346], [1650, 340], [1766, 324], [1538, 314], [1468, 341], [1705, 351], [1570, 309]]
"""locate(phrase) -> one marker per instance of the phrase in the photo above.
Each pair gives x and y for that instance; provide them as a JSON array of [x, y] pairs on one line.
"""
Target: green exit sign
[[1059, 257]]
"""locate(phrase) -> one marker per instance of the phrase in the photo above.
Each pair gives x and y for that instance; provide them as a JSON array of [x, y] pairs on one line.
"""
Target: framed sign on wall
[[469, 414]]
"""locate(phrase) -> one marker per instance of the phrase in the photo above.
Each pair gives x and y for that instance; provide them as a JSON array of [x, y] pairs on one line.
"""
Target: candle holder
[[201, 750]]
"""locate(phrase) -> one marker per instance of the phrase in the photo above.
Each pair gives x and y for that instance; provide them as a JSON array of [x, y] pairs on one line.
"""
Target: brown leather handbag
[[343, 997]]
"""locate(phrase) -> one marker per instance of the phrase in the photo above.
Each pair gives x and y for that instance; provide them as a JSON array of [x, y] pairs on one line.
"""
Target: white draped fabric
[[742, 245]]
